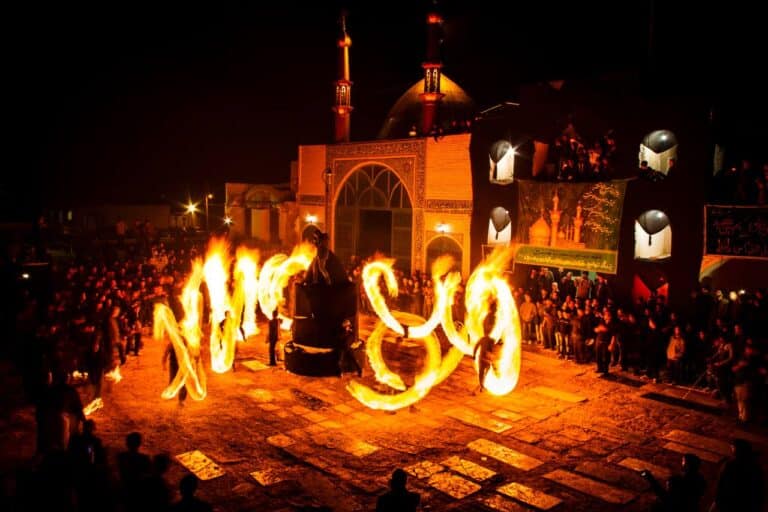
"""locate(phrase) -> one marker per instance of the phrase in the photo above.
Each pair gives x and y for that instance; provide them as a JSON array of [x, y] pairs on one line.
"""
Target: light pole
[[207, 197]]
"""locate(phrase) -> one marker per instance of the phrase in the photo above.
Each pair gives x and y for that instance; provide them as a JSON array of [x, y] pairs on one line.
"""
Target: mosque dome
[[539, 232], [456, 105]]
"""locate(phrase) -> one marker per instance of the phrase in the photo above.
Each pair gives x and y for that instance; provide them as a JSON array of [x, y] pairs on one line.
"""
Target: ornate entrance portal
[[373, 214]]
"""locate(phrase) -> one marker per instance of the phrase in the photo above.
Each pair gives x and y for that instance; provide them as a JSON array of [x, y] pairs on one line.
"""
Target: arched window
[[499, 226], [653, 236], [501, 158], [658, 154], [373, 214], [443, 245]]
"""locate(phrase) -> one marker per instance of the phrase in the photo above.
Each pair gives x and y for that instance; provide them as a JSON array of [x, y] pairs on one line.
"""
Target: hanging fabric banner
[[569, 225], [740, 231]]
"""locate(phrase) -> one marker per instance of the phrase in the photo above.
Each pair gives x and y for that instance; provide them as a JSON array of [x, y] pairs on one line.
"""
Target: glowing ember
[[485, 288], [114, 375], [93, 406]]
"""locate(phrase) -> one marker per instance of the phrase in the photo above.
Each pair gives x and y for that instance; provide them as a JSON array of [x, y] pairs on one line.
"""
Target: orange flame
[[247, 282], [185, 340], [93, 406], [485, 285], [275, 276]]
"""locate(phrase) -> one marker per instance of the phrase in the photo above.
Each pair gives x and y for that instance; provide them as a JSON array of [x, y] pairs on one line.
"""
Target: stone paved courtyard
[[563, 440]]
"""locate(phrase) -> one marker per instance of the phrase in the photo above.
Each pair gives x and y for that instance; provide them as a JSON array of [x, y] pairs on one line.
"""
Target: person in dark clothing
[[95, 360], [740, 484], [91, 474], [683, 492], [398, 498], [133, 466], [86, 448], [347, 359], [154, 491], [485, 352], [172, 363], [272, 337], [61, 413], [604, 336], [188, 502]]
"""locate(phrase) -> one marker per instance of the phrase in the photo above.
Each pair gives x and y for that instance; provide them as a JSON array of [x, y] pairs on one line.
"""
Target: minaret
[[342, 107], [432, 66]]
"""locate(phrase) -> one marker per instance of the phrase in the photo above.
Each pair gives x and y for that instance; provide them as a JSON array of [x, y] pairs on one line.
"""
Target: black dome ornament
[[499, 226], [658, 152], [652, 222]]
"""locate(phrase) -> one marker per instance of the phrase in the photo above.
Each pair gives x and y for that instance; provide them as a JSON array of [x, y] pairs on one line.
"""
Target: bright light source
[[210, 196], [311, 219], [742, 291], [228, 220], [443, 227], [25, 276], [191, 208]]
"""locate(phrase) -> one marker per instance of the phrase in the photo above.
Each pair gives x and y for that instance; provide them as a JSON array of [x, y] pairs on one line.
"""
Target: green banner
[[570, 225]]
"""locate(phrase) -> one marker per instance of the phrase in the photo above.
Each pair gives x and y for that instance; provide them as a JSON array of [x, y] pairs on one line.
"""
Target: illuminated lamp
[[311, 219]]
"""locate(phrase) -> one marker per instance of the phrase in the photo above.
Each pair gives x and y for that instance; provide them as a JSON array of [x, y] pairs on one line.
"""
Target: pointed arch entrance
[[373, 213]]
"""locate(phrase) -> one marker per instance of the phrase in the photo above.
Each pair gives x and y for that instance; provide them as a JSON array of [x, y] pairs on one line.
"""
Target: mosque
[[579, 175]]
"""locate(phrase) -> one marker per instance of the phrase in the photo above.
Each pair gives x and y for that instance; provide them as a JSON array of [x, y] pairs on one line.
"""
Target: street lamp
[[191, 210], [207, 197]]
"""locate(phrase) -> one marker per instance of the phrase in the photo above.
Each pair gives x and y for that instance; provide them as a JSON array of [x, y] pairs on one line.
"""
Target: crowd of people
[[98, 311], [570, 158], [743, 184]]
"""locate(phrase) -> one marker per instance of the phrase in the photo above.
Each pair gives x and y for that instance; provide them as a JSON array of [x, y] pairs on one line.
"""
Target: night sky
[[133, 103]]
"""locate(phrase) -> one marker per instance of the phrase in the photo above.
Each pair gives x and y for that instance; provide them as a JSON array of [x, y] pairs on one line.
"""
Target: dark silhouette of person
[[189, 502], [133, 466], [172, 363], [740, 484], [61, 413], [347, 359], [683, 492], [154, 490], [272, 336], [91, 474], [398, 498], [484, 355]]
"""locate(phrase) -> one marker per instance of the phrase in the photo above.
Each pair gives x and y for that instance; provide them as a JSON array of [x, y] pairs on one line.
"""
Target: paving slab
[[702, 454], [424, 469], [338, 441], [453, 485], [697, 441], [504, 454], [260, 395], [476, 420], [507, 415], [614, 475], [254, 365], [558, 394], [468, 468], [280, 440], [501, 504], [591, 487], [199, 464], [529, 496], [275, 475], [660, 472]]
